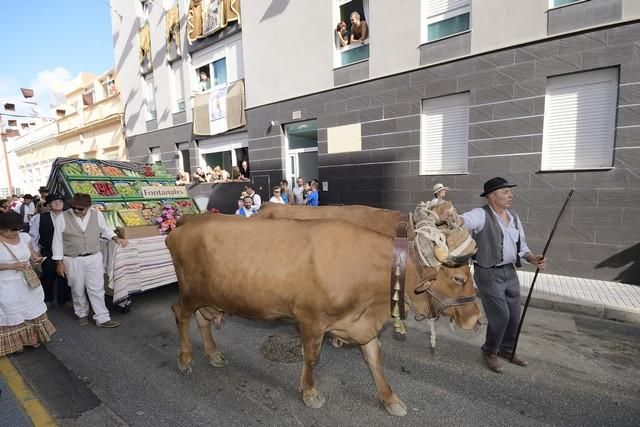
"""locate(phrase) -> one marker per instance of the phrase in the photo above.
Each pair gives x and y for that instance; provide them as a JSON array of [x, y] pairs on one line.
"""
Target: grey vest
[[490, 241], [77, 242]]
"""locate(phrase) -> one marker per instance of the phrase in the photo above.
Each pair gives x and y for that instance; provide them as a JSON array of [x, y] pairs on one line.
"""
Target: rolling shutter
[[579, 121], [445, 135], [437, 8]]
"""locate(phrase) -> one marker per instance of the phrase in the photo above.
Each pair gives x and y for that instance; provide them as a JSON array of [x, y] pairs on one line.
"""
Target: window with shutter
[[579, 121], [444, 135], [444, 18]]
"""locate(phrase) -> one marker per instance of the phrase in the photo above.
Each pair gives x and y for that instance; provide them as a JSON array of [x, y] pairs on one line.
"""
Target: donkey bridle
[[403, 248]]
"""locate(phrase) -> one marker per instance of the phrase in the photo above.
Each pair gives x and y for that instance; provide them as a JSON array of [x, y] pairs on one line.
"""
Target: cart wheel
[[123, 306]]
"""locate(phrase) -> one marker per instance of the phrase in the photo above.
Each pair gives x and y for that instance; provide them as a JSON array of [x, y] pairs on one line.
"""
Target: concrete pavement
[[598, 298], [602, 299]]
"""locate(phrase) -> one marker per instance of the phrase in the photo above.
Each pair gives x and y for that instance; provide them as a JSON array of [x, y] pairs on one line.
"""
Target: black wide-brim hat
[[495, 184], [52, 197]]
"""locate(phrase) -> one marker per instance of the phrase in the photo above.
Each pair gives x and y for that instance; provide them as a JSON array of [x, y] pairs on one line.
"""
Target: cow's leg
[[311, 344], [373, 356], [216, 359], [183, 319]]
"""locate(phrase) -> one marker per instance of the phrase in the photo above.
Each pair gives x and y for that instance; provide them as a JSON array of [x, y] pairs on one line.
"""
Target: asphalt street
[[583, 371]]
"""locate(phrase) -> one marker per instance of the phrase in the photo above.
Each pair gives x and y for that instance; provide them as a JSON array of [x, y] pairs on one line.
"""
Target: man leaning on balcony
[[359, 29]]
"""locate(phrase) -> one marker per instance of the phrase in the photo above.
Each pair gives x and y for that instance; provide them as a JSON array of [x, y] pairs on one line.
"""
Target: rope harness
[[426, 236]]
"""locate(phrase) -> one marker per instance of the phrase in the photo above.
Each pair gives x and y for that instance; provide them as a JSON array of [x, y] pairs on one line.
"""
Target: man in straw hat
[[501, 244], [76, 249], [439, 191]]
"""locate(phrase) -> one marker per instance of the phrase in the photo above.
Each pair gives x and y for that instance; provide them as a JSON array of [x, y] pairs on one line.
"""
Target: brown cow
[[381, 220], [337, 282]]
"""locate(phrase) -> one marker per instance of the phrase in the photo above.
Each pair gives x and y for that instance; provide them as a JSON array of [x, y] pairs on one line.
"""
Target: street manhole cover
[[282, 348]]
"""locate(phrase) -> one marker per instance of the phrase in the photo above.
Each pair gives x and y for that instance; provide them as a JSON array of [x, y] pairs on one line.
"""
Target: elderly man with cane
[[501, 246]]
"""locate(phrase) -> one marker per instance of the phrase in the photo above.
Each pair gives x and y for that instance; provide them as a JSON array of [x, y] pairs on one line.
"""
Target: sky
[[52, 40]]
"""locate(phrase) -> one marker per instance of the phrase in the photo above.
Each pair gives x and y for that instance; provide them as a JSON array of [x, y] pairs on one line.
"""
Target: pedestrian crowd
[[49, 254], [215, 174], [303, 194]]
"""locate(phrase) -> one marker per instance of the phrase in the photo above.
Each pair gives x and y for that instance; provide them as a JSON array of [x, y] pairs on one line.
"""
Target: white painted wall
[[501, 23], [126, 54], [395, 36], [288, 48], [630, 9]]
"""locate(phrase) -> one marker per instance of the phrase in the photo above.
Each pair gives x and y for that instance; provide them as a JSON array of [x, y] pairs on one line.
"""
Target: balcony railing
[[353, 53]]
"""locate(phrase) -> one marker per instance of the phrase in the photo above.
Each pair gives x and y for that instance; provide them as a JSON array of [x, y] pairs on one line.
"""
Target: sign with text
[[164, 192]]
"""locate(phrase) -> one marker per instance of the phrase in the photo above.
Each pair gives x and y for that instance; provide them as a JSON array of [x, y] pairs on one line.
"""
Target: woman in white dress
[[23, 313], [277, 195]]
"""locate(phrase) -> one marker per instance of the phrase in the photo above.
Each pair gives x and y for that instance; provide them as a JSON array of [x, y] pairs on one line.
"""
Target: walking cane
[[535, 276]]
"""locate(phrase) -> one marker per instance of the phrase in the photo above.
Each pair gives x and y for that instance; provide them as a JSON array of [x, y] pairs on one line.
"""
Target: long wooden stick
[[535, 276]]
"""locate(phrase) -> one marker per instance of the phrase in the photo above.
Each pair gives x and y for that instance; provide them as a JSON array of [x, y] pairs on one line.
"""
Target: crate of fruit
[[72, 170], [125, 189], [130, 173], [186, 207], [112, 219], [105, 189], [112, 171], [91, 169], [132, 217], [114, 206], [83, 187]]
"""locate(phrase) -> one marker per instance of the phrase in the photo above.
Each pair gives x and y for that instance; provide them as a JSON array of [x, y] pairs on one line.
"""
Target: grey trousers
[[500, 294]]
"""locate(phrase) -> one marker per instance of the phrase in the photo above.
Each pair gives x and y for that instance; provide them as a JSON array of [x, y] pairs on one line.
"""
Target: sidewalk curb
[[33, 408], [569, 305]]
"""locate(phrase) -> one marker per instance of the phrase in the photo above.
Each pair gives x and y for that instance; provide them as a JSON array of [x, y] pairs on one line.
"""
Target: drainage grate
[[282, 348]]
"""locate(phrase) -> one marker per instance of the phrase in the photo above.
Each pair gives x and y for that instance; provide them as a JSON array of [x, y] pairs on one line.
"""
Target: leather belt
[[82, 255]]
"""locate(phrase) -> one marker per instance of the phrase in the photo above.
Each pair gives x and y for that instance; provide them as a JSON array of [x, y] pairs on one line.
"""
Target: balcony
[[353, 53], [103, 110], [219, 110], [33, 137]]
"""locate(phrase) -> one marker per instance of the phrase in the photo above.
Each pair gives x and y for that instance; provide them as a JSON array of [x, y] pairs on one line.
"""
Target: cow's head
[[449, 292]]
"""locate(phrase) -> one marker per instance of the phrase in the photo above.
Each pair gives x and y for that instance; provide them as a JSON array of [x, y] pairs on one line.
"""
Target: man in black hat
[[41, 206], [41, 231], [501, 245]]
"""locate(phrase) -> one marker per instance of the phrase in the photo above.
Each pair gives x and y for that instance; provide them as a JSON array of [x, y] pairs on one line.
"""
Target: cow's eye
[[460, 280]]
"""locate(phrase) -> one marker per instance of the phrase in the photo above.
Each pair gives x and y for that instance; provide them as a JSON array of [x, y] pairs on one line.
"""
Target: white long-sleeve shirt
[[34, 229], [474, 221], [57, 247]]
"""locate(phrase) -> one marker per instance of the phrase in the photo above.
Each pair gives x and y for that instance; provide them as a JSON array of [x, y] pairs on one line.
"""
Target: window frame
[[581, 79], [456, 99], [155, 154], [339, 50], [425, 20], [177, 87], [553, 6], [149, 95]]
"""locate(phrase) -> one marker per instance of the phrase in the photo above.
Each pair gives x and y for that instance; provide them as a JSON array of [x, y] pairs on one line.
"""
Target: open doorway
[[302, 150]]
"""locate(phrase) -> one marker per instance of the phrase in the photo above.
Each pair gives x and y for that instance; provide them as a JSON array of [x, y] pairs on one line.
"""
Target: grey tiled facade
[[506, 119]]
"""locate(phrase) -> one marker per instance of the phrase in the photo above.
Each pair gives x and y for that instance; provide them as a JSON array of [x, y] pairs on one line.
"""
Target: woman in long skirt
[[23, 313]]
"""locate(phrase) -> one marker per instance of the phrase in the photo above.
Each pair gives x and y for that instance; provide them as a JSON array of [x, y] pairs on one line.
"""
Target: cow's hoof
[[217, 360], [337, 342], [314, 401], [185, 368], [397, 409]]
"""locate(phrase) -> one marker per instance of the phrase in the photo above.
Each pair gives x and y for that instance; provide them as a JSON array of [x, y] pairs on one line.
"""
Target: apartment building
[[88, 124], [182, 73], [545, 93]]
